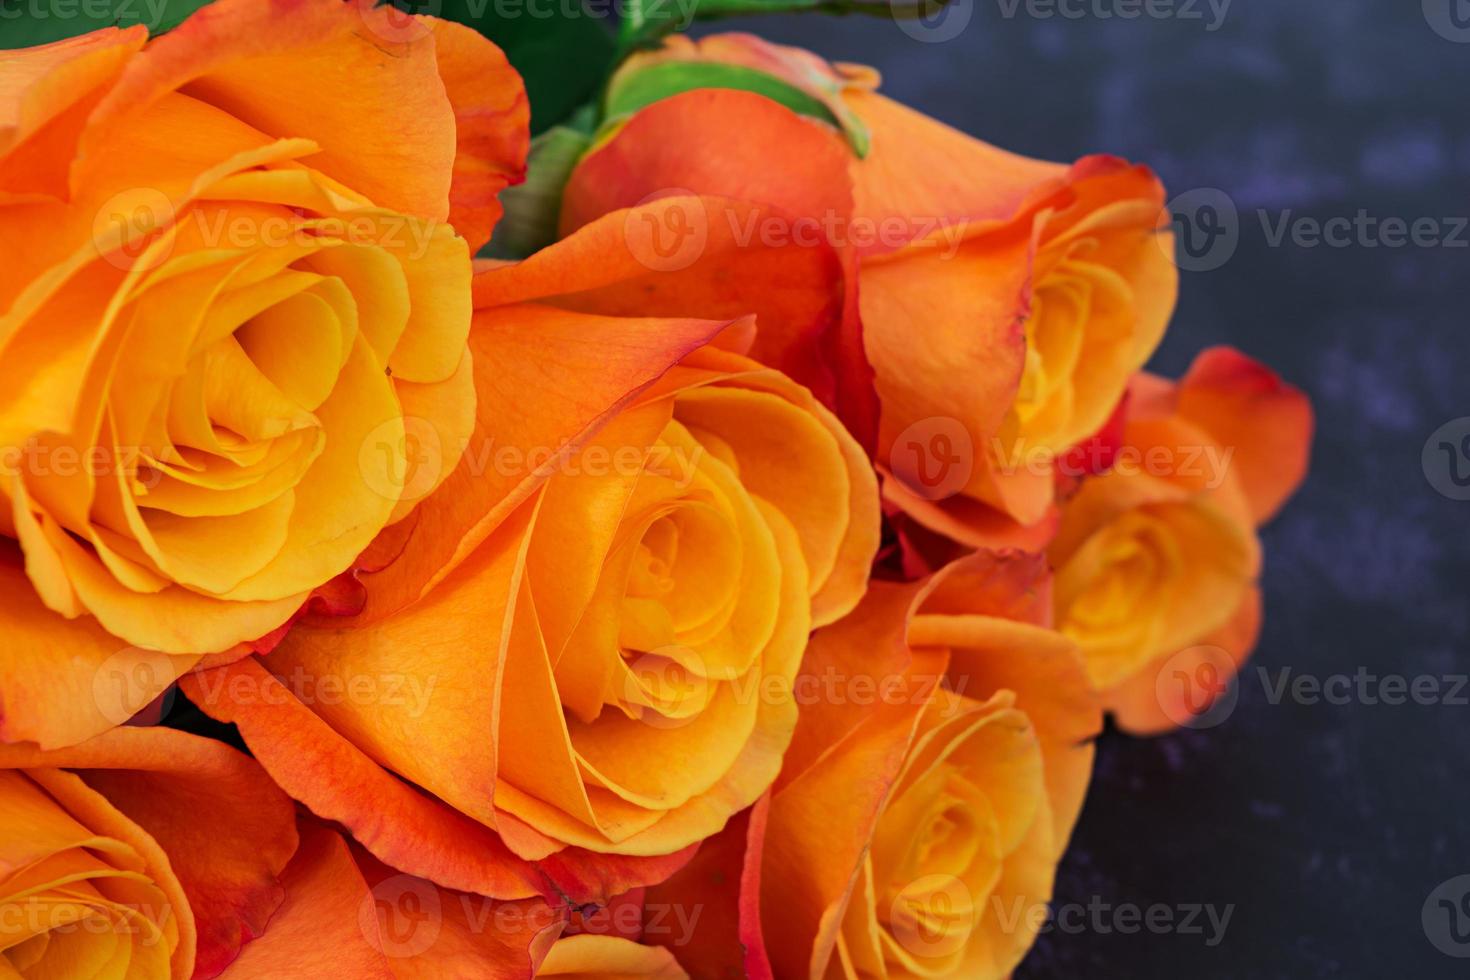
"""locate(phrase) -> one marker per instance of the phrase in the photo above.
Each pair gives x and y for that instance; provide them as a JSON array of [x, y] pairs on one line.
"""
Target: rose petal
[[510, 347], [377, 107], [47, 93], [66, 680], [316, 931], [1247, 408], [917, 166], [994, 612], [1142, 705], [717, 895], [337, 781], [611, 956], [704, 256], [492, 124]]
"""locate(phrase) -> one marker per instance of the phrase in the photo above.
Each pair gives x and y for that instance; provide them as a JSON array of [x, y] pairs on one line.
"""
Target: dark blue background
[[1325, 826]]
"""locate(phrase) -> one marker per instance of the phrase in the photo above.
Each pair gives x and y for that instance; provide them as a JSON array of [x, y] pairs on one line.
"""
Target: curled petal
[[492, 122]]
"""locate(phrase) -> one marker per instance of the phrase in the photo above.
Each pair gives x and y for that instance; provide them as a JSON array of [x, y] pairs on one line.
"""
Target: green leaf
[[631, 91], [635, 90], [562, 50], [24, 23], [533, 208]]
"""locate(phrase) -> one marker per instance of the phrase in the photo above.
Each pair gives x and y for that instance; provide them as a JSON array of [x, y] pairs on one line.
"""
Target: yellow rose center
[[1124, 578], [1079, 348], [959, 850], [1150, 582], [938, 852]]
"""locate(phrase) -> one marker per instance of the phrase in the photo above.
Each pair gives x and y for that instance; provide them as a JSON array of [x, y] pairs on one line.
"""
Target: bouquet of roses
[[726, 573]]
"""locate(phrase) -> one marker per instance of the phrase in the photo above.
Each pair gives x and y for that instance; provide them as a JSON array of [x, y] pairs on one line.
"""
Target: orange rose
[[996, 305], [232, 274], [1157, 560], [605, 603], [952, 802], [142, 853]]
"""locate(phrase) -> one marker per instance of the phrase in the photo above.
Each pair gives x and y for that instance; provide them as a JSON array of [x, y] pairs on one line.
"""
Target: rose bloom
[[237, 258], [995, 306], [1157, 560], [605, 603], [938, 769], [144, 853]]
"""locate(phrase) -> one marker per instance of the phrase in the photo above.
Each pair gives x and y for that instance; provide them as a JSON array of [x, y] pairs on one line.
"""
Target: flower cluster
[[733, 582]]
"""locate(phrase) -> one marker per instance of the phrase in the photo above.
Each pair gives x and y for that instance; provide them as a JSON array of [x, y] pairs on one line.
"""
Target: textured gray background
[[1327, 827]]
